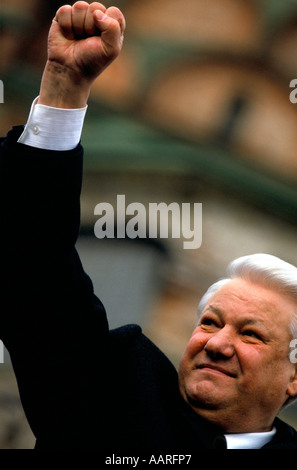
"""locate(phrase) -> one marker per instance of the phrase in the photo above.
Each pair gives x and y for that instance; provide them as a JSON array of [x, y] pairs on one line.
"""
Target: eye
[[252, 334], [206, 321]]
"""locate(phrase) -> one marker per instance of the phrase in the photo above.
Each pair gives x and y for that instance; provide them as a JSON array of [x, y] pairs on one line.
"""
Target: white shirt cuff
[[53, 128]]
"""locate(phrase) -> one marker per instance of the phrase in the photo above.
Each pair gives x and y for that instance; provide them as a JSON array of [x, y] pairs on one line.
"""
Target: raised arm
[[83, 41], [51, 322]]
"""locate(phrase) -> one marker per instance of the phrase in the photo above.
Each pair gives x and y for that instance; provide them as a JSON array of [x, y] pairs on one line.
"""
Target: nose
[[220, 345]]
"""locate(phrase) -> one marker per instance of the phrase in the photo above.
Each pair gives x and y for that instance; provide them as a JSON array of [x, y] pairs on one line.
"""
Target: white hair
[[265, 270]]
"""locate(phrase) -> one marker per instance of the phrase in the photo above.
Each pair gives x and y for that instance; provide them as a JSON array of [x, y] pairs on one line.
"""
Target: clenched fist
[[83, 40]]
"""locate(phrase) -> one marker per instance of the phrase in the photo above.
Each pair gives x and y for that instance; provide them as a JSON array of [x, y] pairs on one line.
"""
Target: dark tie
[[220, 443]]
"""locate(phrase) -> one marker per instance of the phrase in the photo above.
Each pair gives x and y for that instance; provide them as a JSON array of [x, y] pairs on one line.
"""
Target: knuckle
[[63, 9], [97, 6], [80, 5]]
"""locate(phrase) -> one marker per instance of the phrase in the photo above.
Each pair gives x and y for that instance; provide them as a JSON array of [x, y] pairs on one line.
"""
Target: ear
[[292, 386]]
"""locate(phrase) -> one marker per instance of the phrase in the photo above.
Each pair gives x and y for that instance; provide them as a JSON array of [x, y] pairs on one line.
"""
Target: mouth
[[212, 368]]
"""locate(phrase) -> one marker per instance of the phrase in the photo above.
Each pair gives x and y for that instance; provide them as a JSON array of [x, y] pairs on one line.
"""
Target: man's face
[[236, 370]]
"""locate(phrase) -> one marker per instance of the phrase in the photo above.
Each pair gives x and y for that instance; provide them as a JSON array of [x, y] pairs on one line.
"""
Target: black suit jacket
[[81, 385]]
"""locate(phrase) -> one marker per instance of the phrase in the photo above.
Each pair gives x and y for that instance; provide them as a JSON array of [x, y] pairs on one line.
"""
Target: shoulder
[[130, 341], [285, 437], [126, 333], [130, 337]]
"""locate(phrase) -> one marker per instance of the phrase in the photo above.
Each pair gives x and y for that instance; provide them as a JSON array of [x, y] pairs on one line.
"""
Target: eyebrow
[[215, 310], [245, 320]]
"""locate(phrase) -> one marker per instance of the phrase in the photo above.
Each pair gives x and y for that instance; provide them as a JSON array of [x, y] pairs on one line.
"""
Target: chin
[[205, 396]]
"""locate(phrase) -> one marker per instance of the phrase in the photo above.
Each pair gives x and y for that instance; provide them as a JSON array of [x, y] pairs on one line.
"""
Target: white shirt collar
[[253, 440]]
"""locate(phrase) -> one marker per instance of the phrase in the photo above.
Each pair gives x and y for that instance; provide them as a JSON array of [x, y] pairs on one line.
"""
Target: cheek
[[254, 363], [194, 347]]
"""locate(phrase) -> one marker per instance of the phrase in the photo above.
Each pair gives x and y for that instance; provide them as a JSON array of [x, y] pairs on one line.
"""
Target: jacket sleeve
[[50, 320]]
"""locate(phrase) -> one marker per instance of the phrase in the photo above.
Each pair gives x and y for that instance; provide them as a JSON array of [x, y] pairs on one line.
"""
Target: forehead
[[242, 298]]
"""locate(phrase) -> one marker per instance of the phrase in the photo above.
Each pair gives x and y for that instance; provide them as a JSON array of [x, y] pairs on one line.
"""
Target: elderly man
[[81, 384]]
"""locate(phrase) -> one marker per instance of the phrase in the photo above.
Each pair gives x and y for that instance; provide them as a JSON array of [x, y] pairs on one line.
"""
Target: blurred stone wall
[[196, 109]]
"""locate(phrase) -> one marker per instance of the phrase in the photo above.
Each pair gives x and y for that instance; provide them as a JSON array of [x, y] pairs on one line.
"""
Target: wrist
[[60, 88]]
